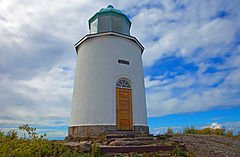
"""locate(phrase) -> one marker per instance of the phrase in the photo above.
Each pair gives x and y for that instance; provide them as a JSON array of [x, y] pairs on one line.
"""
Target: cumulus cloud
[[150, 83], [233, 126], [197, 33], [38, 59], [162, 130], [182, 34], [199, 92], [57, 134], [216, 125], [40, 100]]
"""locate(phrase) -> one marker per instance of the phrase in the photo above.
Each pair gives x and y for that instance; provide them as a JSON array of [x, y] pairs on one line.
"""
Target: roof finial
[[110, 6]]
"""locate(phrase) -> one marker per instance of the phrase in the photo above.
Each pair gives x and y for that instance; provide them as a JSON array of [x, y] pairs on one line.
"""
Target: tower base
[[96, 130]]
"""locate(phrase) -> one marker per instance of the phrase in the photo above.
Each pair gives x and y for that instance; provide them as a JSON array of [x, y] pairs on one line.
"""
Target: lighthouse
[[109, 92]]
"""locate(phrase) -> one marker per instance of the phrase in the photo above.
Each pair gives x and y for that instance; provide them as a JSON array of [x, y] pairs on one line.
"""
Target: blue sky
[[191, 61]]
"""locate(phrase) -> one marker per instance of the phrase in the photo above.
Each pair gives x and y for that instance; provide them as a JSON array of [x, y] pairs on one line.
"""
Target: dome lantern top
[[110, 6], [109, 20]]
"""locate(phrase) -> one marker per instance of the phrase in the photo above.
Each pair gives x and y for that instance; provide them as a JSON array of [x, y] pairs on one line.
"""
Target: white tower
[[109, 92]]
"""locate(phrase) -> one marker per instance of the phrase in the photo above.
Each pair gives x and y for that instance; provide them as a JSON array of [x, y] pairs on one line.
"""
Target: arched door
[[124, 105]]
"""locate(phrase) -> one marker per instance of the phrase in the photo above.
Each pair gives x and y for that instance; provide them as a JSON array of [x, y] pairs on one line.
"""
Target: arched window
[[122, 83]]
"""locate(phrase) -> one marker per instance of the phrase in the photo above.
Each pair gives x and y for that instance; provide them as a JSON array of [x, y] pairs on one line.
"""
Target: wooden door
[[124, 109]]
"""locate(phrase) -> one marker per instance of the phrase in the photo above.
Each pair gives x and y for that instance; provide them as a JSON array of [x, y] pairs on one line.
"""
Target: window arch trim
[[123, 83]]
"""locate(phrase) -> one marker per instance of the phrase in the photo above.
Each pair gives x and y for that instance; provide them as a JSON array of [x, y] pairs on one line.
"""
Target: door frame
[[128, 87]]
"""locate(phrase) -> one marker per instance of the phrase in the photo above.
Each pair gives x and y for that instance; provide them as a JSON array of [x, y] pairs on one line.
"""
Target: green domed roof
[[109, 11], [110, 8]]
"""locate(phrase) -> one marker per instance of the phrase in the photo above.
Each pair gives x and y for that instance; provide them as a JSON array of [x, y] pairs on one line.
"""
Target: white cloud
[[216, 125], [180, 32], [42, 100], [57, 134], [234, 78], [151, 83], [217, 31], [36, 45], [196, 26], [234, 126], [49, 86], [191, 93], [162, 130]]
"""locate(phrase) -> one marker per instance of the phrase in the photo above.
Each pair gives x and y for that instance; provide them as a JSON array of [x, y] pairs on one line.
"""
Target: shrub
[[30, 145], [210, 131], [170, 131], [191, 130], [178, 152], [191, 153], [137, 155], [219, 131], [95, 150], [229, 133]]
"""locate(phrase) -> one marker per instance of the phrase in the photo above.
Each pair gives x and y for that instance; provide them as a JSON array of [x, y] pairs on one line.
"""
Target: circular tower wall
[[102, 60]]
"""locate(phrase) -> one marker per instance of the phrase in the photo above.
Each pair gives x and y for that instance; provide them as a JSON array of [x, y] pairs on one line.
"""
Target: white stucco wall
[[94, 95]]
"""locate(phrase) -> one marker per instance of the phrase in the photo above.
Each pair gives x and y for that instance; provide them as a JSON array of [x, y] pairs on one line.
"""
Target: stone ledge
[[139, 149], [97, 130]]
